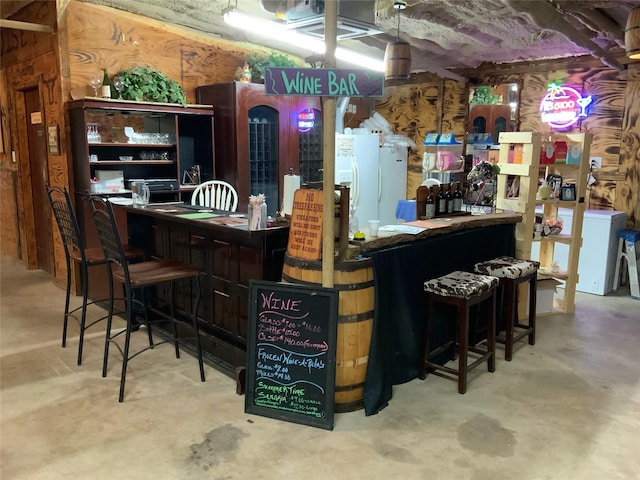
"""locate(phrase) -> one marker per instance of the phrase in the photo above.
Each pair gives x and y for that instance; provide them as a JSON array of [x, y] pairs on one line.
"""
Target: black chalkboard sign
[[291, 352]]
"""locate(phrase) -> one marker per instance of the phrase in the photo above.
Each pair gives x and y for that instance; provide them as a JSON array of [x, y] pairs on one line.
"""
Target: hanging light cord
[[399, 5]]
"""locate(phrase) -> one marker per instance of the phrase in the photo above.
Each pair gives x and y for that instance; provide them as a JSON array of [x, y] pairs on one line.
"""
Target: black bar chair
[[139, 276], [76, 253]]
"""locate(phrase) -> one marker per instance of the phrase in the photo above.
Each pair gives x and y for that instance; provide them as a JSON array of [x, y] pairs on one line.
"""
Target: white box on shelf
[[545, 293]]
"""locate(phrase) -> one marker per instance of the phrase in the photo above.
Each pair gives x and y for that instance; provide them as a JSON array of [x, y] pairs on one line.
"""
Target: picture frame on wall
[[53, 139]]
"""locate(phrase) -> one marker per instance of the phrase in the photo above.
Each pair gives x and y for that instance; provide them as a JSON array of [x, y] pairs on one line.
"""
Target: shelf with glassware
[[518, 191], [124, 141]]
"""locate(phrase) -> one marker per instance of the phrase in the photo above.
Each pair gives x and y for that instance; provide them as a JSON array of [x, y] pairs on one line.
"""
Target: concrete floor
[[567, 408]]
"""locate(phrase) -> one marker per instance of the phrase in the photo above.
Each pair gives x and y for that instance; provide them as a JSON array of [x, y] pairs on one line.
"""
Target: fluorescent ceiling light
[[281, 33]]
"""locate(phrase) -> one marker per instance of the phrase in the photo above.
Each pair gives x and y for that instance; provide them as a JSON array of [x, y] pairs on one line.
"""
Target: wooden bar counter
[[230, 256], [402, 263], [227, 254]]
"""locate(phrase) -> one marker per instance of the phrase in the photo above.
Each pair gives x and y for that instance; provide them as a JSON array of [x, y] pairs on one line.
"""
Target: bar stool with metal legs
[[512, 272], [138, 276], [76, 253], [462, 290], [627, 240]]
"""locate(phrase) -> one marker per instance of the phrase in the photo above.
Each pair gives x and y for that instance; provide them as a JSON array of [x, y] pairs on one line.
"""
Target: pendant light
[[397, 55], [632, 34]]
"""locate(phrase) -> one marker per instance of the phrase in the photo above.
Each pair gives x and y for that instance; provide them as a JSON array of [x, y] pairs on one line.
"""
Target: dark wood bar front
[[228, 257], [401, 265]]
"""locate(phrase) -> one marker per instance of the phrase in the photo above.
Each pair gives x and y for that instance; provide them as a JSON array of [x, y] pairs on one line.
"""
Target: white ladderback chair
[[215, 194]]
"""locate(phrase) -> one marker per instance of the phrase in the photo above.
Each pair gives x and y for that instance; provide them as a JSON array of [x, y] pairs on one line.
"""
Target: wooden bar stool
[[462, 290], [627, 240], [512, 272]]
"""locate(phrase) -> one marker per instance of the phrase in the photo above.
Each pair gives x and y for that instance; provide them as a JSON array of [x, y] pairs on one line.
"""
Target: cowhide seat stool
[[512, 272], [462, 290]]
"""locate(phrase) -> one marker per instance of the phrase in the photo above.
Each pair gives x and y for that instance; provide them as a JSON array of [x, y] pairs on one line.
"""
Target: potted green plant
[[258, 61], [147, 84], [484, 95]]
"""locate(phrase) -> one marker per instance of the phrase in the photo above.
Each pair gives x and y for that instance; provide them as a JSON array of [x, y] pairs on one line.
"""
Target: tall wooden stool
[[512, 272], [462, 290], [627, 240]]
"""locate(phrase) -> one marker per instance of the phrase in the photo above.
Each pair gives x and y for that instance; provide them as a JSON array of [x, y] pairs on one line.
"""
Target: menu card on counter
[[291, 351], [414, 227]]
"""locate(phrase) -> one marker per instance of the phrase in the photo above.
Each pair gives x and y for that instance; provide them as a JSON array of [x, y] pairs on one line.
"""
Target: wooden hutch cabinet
[[149, 141], [114, 139], [260, 137]]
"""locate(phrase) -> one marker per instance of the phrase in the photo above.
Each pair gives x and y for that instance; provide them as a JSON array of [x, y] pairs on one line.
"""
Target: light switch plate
[[596, 162], [345, 177]]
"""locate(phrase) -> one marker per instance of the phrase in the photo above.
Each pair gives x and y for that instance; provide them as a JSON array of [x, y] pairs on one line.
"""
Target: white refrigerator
[[376, 176]]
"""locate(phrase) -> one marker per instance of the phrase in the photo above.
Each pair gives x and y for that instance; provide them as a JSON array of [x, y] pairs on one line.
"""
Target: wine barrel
[[632, 34], [353, 280], [397, 61]]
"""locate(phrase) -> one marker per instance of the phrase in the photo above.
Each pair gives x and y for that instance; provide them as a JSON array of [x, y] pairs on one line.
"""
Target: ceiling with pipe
[[445, 35]]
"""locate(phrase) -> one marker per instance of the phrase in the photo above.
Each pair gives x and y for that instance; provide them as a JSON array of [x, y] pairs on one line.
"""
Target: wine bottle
[[441, 208], [106, 85], [449, 197], [430, 207], [457, 199]]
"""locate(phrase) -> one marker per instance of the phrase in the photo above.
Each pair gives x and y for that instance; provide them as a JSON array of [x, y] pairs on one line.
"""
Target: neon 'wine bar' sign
[[563, 106]]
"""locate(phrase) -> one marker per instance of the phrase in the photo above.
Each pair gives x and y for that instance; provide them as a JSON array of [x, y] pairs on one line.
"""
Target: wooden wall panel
[[605, 117], [613, 121], [628, 198], [18, 45], [101, 37], [417, 109], [30, 61]]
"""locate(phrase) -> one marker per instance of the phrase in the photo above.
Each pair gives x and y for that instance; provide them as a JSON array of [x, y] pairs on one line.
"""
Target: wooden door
[[38, 169]]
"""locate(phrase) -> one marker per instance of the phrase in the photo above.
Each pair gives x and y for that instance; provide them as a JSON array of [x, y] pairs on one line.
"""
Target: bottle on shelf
[[106, 85], [517, 153], [449, 197], [457, 198], [430, 207], [441, 208]]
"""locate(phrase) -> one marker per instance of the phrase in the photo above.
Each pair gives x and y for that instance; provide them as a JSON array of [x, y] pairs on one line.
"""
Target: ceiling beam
[[33, 27]]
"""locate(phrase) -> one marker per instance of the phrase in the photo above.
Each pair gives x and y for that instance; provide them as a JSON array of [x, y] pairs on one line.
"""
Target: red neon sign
[[562, 106]]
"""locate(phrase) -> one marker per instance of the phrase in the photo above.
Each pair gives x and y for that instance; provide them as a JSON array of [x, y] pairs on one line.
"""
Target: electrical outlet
[[345, 177], [596, 162]]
